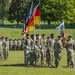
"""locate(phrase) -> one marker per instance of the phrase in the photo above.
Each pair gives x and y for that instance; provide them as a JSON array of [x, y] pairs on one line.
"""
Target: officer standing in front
[[70, 47]]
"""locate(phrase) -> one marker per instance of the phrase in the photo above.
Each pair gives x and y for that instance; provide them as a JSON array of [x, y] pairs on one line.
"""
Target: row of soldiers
[[48, 50], [4, 48], [16, 44]]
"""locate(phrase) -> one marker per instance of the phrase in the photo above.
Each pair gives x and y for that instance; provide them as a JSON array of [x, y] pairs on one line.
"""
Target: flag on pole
[[35, 18], [26, 22], [61, 28]]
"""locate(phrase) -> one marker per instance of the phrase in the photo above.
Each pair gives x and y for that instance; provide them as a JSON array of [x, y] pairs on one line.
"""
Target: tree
[[18, 10], [4, 4], [54, 10]]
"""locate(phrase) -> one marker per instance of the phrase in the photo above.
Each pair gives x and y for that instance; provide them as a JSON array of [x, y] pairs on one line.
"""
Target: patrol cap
[[2, 37], [37, 34], [32, 35], [22, 38], [43, 34], [52, 34], [27, 34], [69, 36], [59, 36], [6, 37]]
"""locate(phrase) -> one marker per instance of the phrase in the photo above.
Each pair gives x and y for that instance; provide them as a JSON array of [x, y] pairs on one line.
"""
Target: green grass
[[14, 66], [16, 33]]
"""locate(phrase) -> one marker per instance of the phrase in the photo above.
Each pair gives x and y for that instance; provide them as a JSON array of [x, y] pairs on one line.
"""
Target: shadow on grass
[[34, 66], [23, 65]]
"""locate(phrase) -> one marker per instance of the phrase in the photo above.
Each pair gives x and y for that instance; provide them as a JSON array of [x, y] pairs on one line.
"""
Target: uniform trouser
[[37, 55], [27, 58], [70, 58], [31, 57], [50, 57], [57, 58], [1, 54], [5, 53]]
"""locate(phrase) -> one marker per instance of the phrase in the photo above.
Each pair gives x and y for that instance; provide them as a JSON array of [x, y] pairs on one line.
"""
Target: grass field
[[16, 33], [14, 65]]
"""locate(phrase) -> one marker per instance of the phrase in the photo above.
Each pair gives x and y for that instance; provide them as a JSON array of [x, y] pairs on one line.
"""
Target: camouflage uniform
[[10, 44], [4, 46], [27, 49], [32, 53], [50, 52], [19, 44], [43, 48], [1, 50], [22, 44], [70, 47], [57, 53], [37, 47], [14, 44], [7, 47]]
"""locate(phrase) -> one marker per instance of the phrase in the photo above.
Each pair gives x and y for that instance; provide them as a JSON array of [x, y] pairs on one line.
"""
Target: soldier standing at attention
[[32, 53], [22, 44], [1, 51], [51, 50], [19, 44], [14, 44], [4, 46], [70, 47], [10, 44], [57, 51], [37, 48], [27, 49], [43, 48], [7, 48]]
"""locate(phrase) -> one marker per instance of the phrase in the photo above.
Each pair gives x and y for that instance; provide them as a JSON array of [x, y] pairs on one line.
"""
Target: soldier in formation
[[4, 48], [38, 49]]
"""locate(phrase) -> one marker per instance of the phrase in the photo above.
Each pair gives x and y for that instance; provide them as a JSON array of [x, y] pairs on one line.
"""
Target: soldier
[[7, 48], [32, 53], [57, 53], [10, 44], [43, 48], [19, 44], [27, 49], [4, 46], [70, 47], [1, 51], [37, 48], [14, 44], [22, 44], [51, 50]]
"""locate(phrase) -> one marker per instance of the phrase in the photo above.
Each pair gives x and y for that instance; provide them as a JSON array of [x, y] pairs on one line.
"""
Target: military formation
[[4, 48], [41, 50], [37, 49]]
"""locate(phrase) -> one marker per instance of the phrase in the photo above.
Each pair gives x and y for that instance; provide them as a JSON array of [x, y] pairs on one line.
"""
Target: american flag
[[25, 28]]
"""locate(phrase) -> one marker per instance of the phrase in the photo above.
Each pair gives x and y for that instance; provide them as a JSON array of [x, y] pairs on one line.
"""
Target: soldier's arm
[[60, 45], [74, 46]]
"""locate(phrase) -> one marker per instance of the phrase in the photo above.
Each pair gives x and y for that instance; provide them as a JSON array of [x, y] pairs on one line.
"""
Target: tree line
[[51, 10]]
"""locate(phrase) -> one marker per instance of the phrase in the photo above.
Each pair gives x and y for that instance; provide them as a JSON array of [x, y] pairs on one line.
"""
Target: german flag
[[37, 14], [35, 18]]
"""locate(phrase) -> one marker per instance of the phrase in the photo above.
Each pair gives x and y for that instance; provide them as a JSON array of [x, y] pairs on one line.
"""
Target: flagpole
[[39, 22]]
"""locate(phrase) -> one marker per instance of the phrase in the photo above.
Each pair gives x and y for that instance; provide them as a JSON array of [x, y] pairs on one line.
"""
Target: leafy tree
[[4, 4], [54, 10], [18, 10]]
